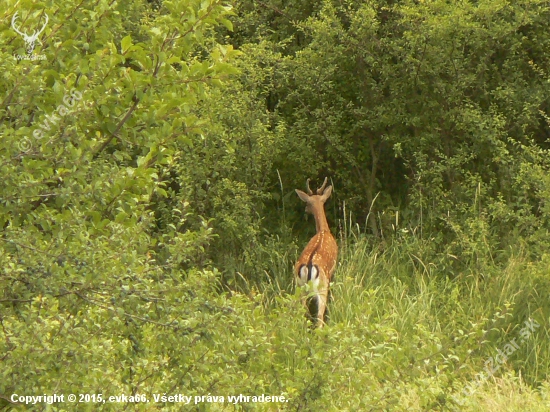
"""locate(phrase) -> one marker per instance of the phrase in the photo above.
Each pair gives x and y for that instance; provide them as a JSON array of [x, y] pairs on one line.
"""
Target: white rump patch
[[309, 274], [303, 275], [314, 272]]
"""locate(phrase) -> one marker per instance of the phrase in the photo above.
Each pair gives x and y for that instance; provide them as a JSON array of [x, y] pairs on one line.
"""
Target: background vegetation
[[149, 229]]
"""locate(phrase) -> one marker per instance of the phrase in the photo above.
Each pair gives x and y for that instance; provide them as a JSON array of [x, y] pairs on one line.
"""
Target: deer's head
[[314, 202]]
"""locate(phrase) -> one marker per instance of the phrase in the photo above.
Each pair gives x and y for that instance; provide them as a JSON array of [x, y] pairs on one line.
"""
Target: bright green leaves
[[125, 44], [79, 201]]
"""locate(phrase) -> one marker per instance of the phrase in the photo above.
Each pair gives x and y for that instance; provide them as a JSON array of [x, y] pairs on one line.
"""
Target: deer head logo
[[29, 40]]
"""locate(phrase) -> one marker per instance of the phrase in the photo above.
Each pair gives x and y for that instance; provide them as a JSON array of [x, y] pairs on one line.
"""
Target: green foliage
[[425, 104], [149, 222]]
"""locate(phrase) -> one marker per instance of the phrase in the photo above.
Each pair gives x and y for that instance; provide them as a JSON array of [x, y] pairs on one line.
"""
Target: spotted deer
[[318, 260]]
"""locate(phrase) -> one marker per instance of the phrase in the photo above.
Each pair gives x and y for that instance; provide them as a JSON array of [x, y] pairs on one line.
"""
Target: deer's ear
[[302, 195], [326, 193]]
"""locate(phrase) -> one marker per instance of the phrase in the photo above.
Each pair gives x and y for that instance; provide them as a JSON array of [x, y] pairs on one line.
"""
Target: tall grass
[[418, 334], [412, 323]]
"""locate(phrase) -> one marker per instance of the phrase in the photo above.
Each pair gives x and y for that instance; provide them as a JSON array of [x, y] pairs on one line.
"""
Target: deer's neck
[[321, 224]]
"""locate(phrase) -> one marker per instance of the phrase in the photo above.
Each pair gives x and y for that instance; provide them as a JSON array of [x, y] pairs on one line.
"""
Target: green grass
[[405, 335]]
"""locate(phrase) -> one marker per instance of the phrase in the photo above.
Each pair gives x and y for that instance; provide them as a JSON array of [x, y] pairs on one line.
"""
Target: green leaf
[[126, 43], [227, 23]]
